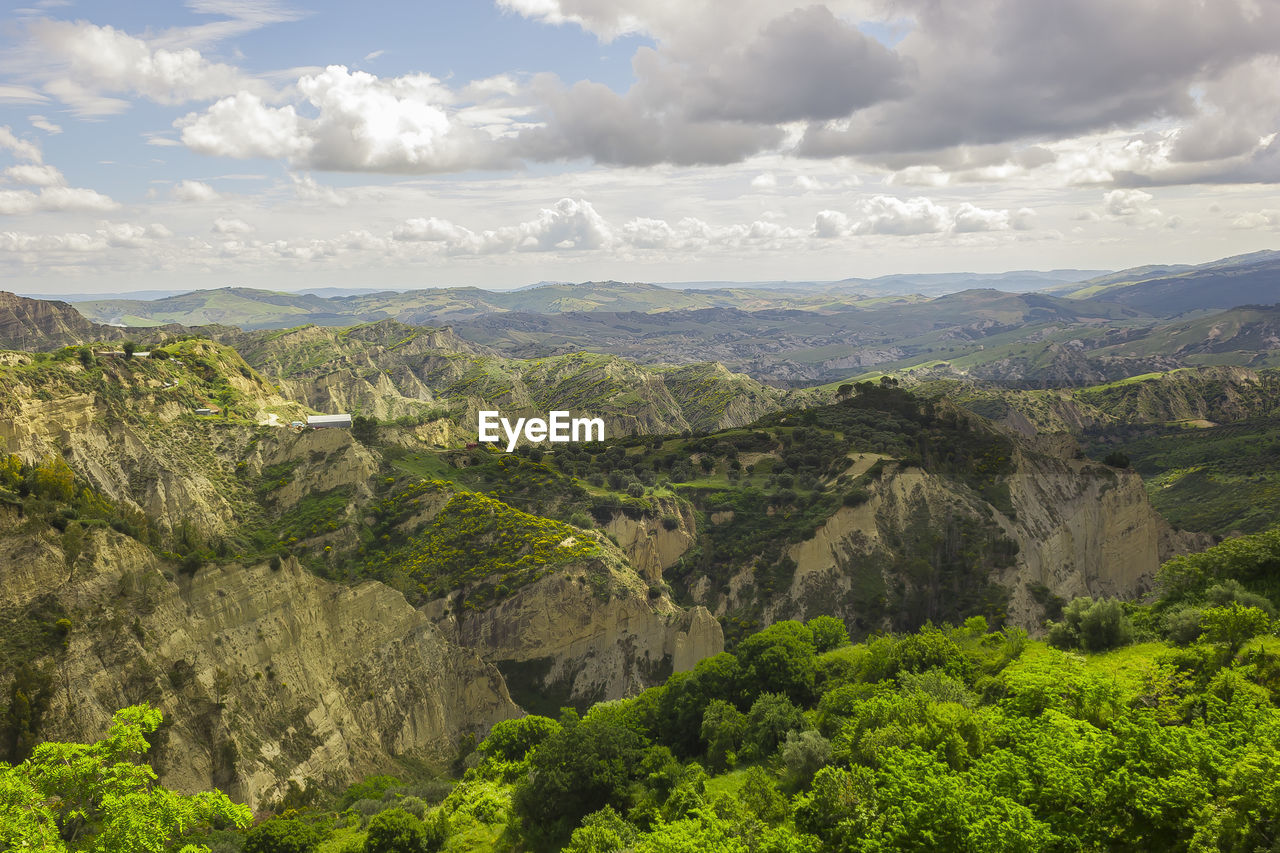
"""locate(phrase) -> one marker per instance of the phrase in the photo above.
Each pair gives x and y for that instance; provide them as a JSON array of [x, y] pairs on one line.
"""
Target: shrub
[[1182, 625], [511, 740], [781, 657], [1235, 625], [770, 719], [828, 633], [1223, 594], [722, 729], [282, 835], [804, 754], [1094, 626], [397, 831]]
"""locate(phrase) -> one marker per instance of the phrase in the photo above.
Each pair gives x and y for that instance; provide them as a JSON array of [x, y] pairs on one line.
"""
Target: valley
[[309, 608]]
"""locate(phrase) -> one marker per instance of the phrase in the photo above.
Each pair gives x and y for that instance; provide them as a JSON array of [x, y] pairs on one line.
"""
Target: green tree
[[1094, 626], [587, 765], [30, 694], [364, 429], [70, 797], [128, 348], [781, 659], [828, 633], [55, 480], [602, 832], [722, 729], [1234, 625], [511, 740], [771, 718], [397, 831], [282, 835]]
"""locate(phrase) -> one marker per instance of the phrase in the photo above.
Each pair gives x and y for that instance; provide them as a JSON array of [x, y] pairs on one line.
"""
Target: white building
[[329, 421]]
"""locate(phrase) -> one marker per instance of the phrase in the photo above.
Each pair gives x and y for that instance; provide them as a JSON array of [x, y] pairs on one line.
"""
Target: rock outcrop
[[584, 635], [265, 675], [39, 325]]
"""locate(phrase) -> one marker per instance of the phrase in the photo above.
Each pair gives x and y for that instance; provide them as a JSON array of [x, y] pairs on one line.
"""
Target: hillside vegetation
[[1134, 728]]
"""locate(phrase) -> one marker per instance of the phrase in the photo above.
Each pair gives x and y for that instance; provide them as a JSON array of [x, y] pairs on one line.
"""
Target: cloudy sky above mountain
[[501, 142]]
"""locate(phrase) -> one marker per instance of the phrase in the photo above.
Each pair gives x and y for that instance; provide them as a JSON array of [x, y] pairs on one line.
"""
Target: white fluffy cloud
[[54, 199], [195, 191], [231, 225], [570, 224], [124, 235], [83, 65], [1269, 218], [53, 195], [915, 216], [35, 175], [21, 149], [121, 235], [406, 124]]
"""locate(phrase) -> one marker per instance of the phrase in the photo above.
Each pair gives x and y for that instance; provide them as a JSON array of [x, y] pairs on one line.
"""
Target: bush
[[1094, 626], [397, 831], [1235, 625], [1182, 626], [511, 740], [804, 754], [769, 721], [1223, 594], [371, 788], [828, 633], [780, 658], [722, 729], [282, 835]]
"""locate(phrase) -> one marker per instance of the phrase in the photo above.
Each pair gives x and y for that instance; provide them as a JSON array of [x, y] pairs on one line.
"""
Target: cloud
[[14, 94], [81, 62], [991, 71], [35, 175], [573, 225], [717, 86], [124, 235], [363, 123], [570, 224], [19, 148], [195, 191], [224, 225], [53, 199], [308, 189], [1126, 203], [42, 123], [591, 120], [1268, 219], [917, 216], [23, 242]]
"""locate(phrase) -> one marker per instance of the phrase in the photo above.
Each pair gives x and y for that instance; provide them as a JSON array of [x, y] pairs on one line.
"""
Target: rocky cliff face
[[38, 325], [919, 542], [655, 542], [266, 675], [583, 635]]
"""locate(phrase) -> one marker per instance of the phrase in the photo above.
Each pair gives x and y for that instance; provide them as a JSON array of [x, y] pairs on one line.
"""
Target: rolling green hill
[[1252, 279]]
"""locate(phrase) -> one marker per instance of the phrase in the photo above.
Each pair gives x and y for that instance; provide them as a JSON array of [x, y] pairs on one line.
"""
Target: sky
[[497, 143]]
